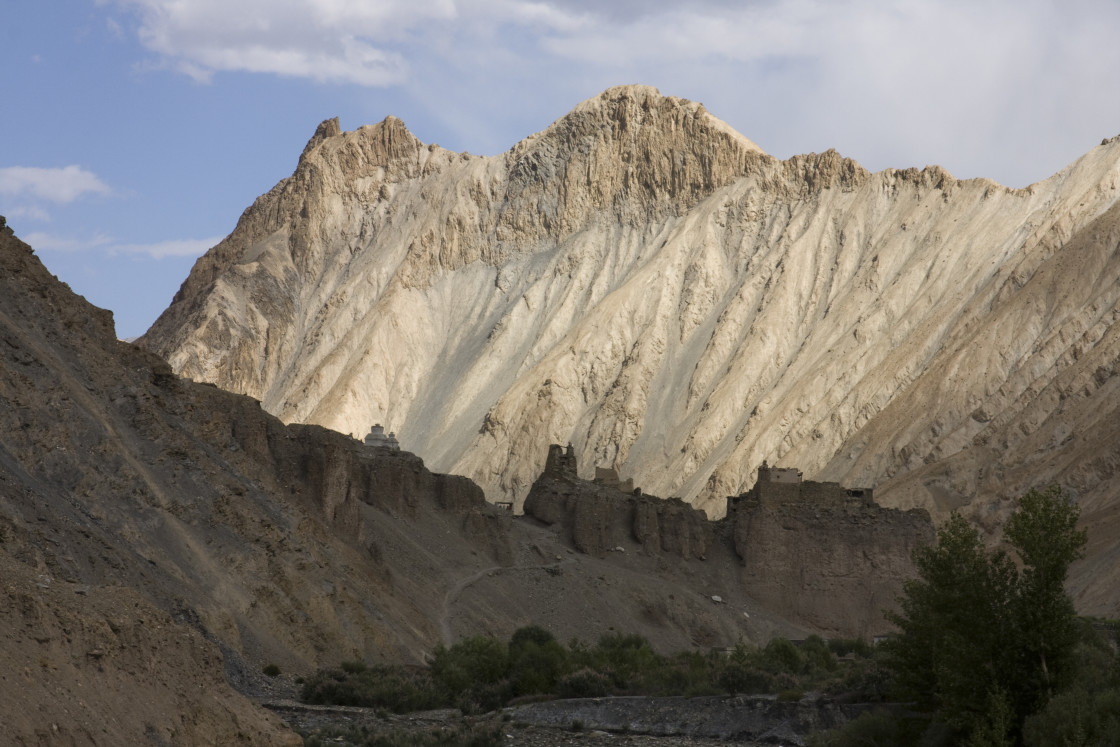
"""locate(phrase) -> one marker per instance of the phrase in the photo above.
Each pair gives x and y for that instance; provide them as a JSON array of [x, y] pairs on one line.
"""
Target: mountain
[[162, 541], [646, 284]]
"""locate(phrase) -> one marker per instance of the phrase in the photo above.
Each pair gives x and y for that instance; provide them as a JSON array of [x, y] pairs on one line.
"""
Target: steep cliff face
[[820, 553], [815, 552], [644, 283]]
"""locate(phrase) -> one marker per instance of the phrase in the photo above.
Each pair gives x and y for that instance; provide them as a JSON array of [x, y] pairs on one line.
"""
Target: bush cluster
[[480, 674]]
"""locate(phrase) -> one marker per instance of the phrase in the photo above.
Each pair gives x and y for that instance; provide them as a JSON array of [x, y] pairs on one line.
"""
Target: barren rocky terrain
[[162, 541], [643, 282], [637, 281]]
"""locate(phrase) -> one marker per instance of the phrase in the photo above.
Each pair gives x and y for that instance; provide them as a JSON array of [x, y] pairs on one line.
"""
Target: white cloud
[[1009, 90], [56, 185], [973, 85], [325, 40], [30, 212], [169, 248], [47, 242], [346, 41], [115, 30]]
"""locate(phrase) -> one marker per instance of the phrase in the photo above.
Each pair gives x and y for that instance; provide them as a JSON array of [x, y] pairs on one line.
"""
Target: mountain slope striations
[[646, 284]]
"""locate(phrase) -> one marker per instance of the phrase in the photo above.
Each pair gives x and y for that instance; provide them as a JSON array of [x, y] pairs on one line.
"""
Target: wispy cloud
[[55, 185], [169, 248], [970, 85], [48, 242], [325, 40], [30, 212], [342, 41], [106, 245]]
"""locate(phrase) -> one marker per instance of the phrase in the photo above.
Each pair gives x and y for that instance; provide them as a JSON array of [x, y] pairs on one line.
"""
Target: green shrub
[[584, 683], [845, 646], [398, 689], [527, 634], [740, 678], [865, 681], [687, 673], [480, 673], [353, 667], [536, 661], [272, 670], [780, 655], [627, 659], [1076, 718], [816, 654], [484, 697], [478, 660]]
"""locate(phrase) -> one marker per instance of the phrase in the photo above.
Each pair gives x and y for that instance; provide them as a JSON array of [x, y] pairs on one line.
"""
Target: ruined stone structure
[[608, 478], [816, 552], [776, 485], [769, 474], [597, 516]]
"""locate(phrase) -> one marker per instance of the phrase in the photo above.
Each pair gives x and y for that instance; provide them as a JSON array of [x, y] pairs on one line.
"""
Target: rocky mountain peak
[[637, 106], [327, 128], [630, 151], [641, 281], [387, 151]]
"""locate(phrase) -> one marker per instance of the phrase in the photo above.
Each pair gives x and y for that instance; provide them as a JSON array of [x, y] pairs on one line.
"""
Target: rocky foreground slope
[[643, 282], [162, 540]]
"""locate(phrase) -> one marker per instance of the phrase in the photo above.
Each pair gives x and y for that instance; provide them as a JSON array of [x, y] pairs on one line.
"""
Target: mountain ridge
[[162, 541], [639, 281], [164, 544]]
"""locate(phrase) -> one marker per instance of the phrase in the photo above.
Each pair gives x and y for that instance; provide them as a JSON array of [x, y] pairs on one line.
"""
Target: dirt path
[[453, 593]]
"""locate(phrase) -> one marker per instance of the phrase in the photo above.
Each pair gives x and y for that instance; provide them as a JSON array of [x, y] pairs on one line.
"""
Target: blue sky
[[135, 132]]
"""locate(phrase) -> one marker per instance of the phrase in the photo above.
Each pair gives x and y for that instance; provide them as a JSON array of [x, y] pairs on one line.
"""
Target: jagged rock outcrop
[[597, 519], [812, 551], [644, 283]]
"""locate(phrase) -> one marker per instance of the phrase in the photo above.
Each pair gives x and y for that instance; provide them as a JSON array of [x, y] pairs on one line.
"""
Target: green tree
[[977, 629], [953, 620], [1043, 532]]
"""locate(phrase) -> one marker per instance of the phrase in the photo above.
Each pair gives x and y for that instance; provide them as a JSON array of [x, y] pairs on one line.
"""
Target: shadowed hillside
[[646, 284], [162, 540]]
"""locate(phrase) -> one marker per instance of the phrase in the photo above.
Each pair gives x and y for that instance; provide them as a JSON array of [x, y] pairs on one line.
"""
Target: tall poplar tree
[[984, 640]]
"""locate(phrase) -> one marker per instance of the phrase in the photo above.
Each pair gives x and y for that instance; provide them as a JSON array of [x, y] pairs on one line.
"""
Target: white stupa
[[377, 437]]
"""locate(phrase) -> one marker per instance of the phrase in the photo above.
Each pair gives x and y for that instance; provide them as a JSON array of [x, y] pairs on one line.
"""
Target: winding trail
[[453, 593]]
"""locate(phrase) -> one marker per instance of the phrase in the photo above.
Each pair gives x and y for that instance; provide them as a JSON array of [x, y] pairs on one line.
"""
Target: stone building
[[376, 437], [786, 484]]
